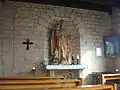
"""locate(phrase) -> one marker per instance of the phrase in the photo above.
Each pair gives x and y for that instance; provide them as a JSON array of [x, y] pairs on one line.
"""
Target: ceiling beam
[[73, 3]]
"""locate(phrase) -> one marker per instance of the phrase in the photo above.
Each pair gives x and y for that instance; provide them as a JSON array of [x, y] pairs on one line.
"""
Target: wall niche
[[64, 43]]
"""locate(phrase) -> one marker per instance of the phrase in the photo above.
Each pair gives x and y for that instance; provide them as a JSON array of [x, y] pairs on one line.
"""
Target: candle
[[117, 70], [78, 56], [33, 68]]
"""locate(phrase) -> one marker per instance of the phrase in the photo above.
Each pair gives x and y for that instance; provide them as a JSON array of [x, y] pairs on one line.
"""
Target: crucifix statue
[[28, 43]]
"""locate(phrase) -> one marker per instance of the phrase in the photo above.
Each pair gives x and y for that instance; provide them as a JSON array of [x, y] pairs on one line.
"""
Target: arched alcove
[[64, 42]]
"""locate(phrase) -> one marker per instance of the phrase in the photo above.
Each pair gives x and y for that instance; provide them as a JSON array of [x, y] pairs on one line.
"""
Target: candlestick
[[33, 70]]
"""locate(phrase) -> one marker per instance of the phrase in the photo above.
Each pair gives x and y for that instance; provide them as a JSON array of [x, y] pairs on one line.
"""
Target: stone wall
[[19, 21], [116, 30]]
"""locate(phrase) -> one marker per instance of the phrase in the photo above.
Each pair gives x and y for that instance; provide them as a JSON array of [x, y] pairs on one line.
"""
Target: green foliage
[[53, 58], [42, 64]]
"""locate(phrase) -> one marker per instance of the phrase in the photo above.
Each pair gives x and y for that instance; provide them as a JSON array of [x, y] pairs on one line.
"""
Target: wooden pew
[[54, 87], [91, 87], [29, 78], [39, 84], [109, 77]]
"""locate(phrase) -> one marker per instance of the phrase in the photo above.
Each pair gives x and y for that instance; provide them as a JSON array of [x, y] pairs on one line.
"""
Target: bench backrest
[[110, 78], [39, 84]]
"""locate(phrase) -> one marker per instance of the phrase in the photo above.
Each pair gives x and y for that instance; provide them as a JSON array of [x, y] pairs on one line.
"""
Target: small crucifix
[[28, 43]]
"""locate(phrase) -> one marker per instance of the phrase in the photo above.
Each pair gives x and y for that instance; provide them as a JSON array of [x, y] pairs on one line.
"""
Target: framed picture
[[112, 45]]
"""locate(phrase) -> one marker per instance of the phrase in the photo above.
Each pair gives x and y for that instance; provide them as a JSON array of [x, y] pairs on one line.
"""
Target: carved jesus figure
[[61, 44]]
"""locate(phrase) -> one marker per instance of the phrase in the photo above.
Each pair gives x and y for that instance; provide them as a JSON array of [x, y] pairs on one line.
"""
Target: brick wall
[[19, 21]]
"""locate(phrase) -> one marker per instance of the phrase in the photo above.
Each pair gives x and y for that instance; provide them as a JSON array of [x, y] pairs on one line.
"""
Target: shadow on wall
[[88, 79]]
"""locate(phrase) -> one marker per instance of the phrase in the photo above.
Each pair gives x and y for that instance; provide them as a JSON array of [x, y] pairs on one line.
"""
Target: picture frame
[[111, 45]]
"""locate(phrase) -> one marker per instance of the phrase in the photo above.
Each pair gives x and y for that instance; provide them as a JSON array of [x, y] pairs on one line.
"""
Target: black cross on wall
[[28, 43]]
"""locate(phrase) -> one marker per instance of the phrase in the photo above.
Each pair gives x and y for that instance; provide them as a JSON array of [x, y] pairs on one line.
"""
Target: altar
[[64, 51], [54, 68]]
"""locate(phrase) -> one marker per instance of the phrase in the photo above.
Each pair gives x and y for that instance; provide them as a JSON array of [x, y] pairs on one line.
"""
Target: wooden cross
[[28, 43]]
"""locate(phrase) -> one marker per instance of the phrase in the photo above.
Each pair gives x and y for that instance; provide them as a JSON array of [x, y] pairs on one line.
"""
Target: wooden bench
[[54, 87], [39, 84], [109, 78], [91, 87]]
